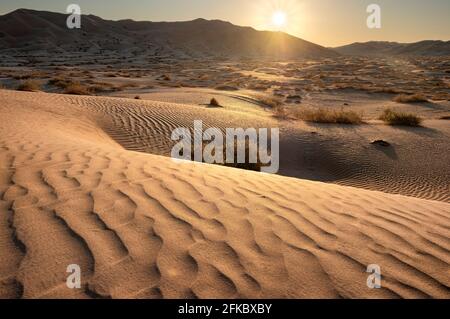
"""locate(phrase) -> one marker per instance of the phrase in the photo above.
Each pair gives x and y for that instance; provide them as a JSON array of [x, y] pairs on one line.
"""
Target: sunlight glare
[[279, 19]]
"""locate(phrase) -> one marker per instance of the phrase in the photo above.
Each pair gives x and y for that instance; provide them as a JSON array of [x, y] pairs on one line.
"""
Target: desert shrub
[[137, 97], [246, 166], [126, 86], [329, 116], [99, 87], [387, 90], [60, 82], [226, 88], [280, 112], [214, 102], [22, 77], [398, 118], [29, 85], [270, 101], [410, 98], [77, 89], [38, 75]]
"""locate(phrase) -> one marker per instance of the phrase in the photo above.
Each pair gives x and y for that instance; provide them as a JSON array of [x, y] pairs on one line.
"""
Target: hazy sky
[[326, 22]]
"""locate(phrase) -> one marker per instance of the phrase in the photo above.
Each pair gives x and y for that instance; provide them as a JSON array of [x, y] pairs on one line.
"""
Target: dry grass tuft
[[280, 112], [226, 88], [329, 116], [77, 89], [29, 85], [270, 101], [397, 118], [247, 165], [165, 77], [214, 103], [411, 98], [59, 82]]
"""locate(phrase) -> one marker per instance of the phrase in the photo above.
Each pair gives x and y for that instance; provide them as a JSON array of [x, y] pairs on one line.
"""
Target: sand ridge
[[142, 226], [415, 164]]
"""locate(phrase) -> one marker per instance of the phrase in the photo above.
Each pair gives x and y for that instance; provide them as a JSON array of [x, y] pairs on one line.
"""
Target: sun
[[279, 19]]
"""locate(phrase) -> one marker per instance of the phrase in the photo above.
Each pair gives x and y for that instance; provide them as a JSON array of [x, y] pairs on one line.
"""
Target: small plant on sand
[[280, 112], [77, 89], [248, 165], [329, 116], [397, 118], [165, 77], [100, 87], [29, 85], [214, 103], [270, 101], [226, 88], [60, 82], [411, 98], [137, 97], [387, 90]]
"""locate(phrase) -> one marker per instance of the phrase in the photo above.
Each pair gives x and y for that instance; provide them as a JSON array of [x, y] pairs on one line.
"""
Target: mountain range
[[28, 31], [380, 48], [25, 31]]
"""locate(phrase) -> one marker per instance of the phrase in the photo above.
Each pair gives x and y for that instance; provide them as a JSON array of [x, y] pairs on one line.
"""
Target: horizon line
[[226, 21]]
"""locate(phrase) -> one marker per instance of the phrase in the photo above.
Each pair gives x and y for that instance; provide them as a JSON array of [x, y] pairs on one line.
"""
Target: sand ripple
[[140, 225]]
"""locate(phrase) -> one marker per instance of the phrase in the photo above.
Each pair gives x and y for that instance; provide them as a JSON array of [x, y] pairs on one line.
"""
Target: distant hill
[[29, 31], [423, 48]]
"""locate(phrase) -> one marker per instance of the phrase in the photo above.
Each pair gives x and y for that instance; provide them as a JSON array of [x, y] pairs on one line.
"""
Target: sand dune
[[415, 165], [141, 225]]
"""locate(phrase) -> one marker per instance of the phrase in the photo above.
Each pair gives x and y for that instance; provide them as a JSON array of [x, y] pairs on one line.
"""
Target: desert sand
[[84, 180]]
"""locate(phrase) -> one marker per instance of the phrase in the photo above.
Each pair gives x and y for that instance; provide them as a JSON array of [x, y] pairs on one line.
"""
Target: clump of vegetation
[[214, 103], [226, 88], [71, 87], [387, 90], [410, 98], [22, 77], [126, 86], [270, 101], [137, 97], [100, 87], [77, 89], [329, 116], [29, 85], [59, 82], [247, 165], [398, 118], [280, 112]]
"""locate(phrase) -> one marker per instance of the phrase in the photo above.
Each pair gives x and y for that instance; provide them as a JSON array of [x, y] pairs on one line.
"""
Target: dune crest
[[141, 225]]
